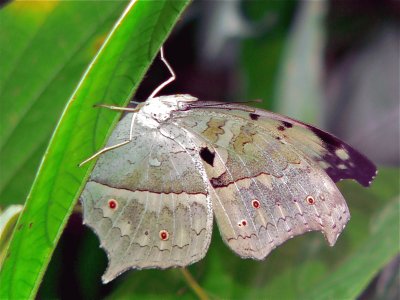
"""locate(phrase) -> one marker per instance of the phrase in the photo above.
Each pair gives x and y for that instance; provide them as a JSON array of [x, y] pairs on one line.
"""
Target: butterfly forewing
[[337, 158]]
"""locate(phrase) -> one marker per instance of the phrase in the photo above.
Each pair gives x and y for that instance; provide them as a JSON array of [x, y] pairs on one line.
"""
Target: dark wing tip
[[356, 166]]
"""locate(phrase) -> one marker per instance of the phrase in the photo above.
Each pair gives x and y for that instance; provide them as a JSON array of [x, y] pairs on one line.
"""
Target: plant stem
[[197, 289]]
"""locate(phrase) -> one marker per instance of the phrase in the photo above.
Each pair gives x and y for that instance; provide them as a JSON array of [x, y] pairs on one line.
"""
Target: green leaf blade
[[80, 132], [36, 82]]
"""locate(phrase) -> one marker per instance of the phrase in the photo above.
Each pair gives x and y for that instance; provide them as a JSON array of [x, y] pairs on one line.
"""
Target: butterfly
[[265, 178]]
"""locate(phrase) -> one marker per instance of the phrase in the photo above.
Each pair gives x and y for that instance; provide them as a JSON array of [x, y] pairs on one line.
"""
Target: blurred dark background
[[353, 50]]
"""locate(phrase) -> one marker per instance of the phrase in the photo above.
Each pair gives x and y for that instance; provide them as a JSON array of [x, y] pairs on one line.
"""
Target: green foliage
[[262, 57], [41, 64], [364, 262], [112, 77]]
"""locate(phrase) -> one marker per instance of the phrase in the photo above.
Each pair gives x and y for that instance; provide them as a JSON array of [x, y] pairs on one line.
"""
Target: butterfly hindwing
[[265, 191], [148, 208]]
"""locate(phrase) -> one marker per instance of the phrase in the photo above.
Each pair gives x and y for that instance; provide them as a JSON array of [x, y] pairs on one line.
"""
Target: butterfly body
[[264, 177]]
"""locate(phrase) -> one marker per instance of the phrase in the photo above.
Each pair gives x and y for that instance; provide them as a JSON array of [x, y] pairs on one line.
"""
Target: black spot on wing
[[220, 181], [356, 166], [287, 124], [332, 142], [207, 156], [254, 116]]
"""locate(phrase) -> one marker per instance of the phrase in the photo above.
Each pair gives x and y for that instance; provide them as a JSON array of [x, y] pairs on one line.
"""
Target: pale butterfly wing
[[265, 191], [267, 178], [338, 159], [149, 209]]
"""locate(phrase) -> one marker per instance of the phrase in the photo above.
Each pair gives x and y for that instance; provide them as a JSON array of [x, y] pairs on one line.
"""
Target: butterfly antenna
[[165, 83], [135, 102], [248, 101], [217, 104]]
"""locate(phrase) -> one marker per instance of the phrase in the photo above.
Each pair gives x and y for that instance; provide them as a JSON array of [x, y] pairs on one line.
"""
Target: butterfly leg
[[134, 110], [113, 146], [102, 151], [165, 83], [118, 108]]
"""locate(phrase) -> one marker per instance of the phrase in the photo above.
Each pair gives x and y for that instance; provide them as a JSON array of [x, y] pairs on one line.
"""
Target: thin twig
[[197, 289]]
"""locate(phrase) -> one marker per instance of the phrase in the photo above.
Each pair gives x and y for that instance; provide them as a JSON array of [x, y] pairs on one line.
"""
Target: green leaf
[[261, 57], [41, 63], [112, 78]]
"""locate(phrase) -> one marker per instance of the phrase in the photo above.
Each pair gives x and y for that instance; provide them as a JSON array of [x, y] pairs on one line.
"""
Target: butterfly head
[[175, 101], [159, 109]]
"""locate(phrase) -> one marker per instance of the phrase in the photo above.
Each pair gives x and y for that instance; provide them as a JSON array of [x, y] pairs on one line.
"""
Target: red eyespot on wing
[[242, 223], [164, 235], [255, 203], [112, 203], [310, 200]]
